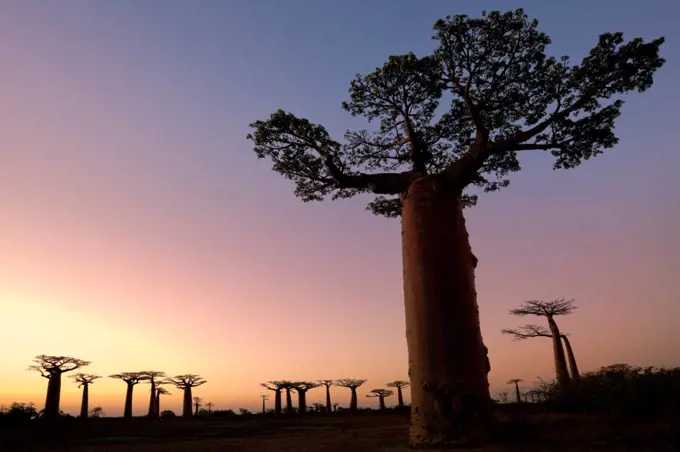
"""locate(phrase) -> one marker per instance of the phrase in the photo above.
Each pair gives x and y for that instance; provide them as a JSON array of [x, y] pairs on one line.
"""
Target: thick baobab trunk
[[353, 401], [186, 408], [128, 401], [400, 397], [560, 361], [289, 402], [519, 397], [573, 368], [381, 399], [302, 402], [152, 400], [84, 408], [53, 396], [328, 399], [158, 403], [447, 366], [277, 402]]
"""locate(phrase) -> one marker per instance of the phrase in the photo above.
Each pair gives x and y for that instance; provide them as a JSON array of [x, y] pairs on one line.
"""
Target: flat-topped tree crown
[[187, 381], [350, 382], [49, 365], [380, 393], [304, 385], [559, 306], [84, 379], [398, 384], [132, 378], [527, 331]]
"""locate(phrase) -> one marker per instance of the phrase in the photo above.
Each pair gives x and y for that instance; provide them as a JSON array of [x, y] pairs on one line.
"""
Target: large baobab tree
[[277, 387], [131, 379], [52, 368], [549, 310], [160, 391], [84, 381], [153, 377], [301, 387], [380, 394], [327, 384], [186, 383], [516, 382], [508, 99], [197, 404], [352, 384], [399, 384]]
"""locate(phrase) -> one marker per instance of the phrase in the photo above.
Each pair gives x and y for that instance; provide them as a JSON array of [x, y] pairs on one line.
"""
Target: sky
[[138, 230]]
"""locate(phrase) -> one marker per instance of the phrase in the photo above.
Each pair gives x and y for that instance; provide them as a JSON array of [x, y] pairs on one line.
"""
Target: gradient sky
[[138, 230]]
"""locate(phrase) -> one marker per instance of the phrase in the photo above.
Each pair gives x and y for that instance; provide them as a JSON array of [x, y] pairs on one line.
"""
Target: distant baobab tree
[[97, 412], [197, 405], [335, 406], [131, 379], [52, 368], [209, 405], [264, 398], [277, 387], [327, 384], [186, 383], [301, 387], [153, 377], [549, 310], [516, 382], [160, 391], [352, 384], [399, 384], [380, 394], [84, 381]]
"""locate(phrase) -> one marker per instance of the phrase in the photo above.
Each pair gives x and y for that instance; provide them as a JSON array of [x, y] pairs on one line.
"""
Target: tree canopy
[[507, 95], [559, 306]]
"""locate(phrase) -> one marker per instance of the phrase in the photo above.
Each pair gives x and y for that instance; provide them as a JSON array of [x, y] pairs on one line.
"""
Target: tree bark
[[573, 368], [450, 398], [84, 408], [519, 397], [158, 403], [302, 402], [328, 399], [353, 401], [128, 401], [289, 402], [381, 399], [560, 361], [186, 408], [152, 401], [53, 396], [400, 397], [277, 402]]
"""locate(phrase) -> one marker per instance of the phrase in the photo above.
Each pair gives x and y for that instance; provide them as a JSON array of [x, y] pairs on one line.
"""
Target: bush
[[19, 412], [167, 414]]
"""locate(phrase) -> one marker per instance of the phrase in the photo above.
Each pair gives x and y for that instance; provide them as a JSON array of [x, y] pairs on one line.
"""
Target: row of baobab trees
[[302, 387], [53, 367]]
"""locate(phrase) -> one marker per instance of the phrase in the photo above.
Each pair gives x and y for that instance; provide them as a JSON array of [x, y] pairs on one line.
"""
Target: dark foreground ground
[[367, 432]]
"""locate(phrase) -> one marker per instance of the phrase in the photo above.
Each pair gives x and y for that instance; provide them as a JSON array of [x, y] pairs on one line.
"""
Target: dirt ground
[[369, 432]]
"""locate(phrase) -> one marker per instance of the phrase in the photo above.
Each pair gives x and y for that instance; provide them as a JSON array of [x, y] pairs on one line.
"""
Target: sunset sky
[[138, 230]]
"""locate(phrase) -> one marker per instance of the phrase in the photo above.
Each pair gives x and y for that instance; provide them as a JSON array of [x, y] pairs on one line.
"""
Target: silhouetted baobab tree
[[550, 309], [209, 405], [301, 387], [52, 368], [264, 398], [399, 384], [288, 386], [84, 381], [197, 404], [153, 377], [508, 98], [131, 379], [160, 391], [352, 384], [516, 382], [275, 386], [380, 394], [327, 384], [573, 368], [186, 383]]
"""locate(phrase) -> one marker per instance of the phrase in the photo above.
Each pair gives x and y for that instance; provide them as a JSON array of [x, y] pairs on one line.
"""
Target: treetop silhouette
[[186, 382], [559, 306], [52, 367], [527, 331], [131, 379]]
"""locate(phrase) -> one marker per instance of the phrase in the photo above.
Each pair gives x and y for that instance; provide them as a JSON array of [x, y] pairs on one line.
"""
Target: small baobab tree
[[197, 405], [399, 384], [209, 406], [131, 379], [186, 383], [516, 382], [84, 381], [264, 398], [159, 392], [52, 368], [352, 384], [380, 394], [277, 387], [153, 377], [301, 387], [327, 384], [549, 310]]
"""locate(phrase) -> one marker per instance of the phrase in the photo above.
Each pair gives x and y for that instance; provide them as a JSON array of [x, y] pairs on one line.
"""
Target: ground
[[362, 433]]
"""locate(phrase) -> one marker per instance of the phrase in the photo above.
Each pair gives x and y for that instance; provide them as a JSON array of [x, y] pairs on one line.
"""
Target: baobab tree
[[549, 310], [264, 398], [380, 394], [399, 384], [84, 381], [301, 387], [509, 98], [160, 391], [153, 377], [131, 379], [52, 368], [209, 405], [277, 387], [327, 384], [352, 384], [530, 331], [186, 383], [197, 404], [516, 382], [288, 386]]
